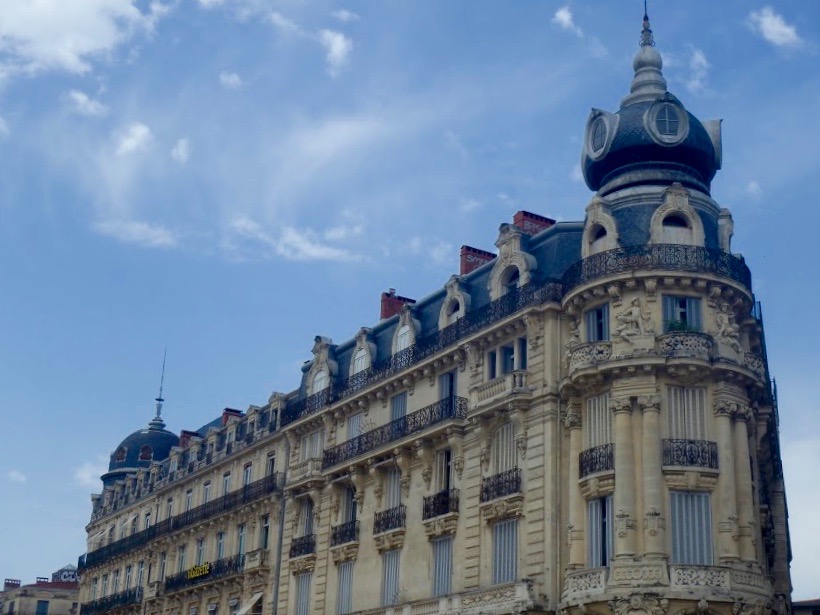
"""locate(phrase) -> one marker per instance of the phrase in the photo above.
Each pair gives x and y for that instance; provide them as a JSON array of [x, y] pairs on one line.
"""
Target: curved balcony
[[205, 573], [690, 453], [115, 601], [596, 459], [659, 257]]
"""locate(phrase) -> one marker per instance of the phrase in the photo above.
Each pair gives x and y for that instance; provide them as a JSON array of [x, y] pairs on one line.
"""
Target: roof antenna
[[647, 40], [157, 421]]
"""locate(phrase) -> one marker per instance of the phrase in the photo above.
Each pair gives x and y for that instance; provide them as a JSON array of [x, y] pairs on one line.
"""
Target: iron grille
[[345, 532], [389, 519], [690, 453], [303, 545], [441, 503], [499, 485], [596, 459]]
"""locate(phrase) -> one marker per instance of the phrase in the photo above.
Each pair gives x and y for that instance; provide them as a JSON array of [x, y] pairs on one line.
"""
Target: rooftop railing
[[442, 410]]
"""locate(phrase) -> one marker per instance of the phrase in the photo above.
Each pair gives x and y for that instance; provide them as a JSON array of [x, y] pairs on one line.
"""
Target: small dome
[[140, 449]]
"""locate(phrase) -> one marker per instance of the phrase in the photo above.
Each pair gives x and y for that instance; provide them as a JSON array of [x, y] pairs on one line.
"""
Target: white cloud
[[468, 205], [576, 175], [506, 199], [60, 35], [136, 138], [442, 253], [88, 474], [345, 16], [304, 245], [16, 476], [773, 28], [138, 233], [83, 104], [232, 81], [181, 150], [753, 188], [337, 47], [698, 70], [563, 19], [284, 24], [342, 232]]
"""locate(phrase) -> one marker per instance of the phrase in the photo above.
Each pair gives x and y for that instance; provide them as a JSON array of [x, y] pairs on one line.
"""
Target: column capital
[[620, 404], [572, 418], [725, 407], [742, 414], [650, 403]]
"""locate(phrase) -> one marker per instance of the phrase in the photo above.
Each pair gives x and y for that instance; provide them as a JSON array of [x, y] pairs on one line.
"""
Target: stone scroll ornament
[[633, 321]]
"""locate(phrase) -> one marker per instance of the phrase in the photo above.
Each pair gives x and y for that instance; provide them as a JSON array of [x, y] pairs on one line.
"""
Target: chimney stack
[[472, 258], [229, 413], [392, 303], [531, 223]]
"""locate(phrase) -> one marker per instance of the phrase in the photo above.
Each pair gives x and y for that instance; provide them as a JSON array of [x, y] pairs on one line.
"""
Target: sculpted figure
[[633, 321], [727, 329]]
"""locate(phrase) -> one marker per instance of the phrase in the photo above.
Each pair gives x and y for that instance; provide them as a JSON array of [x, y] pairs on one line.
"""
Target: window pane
[[505, 551], [303, 594], [344, 599], [598, 424], [504, 449], [390, 577], [691, 521], [442, 565]]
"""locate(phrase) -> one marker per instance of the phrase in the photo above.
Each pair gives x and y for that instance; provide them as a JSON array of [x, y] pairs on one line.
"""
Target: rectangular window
[[311, 445], [140, 573], [42, 607], [507, 359], [491, 365], [134, 524], [390, 577], [522, 353], [681, 313], [200, 551], [360, 361], [226, 483], [206, 492], [442, 565], [306, 518], [505, 551], [93, 589], [597, 323], [128, 577], [104, 592], [354, 426], [163, 560], [147, 523], [303, 594], [686, 413], [247, 474], [265, 532], [169, 509], [398, 406], [344, 597], [189, 500], [599, 524], [598, 424], [504, 453], [270, 468], [220, 545], [447, 385], [444, 469], [240, 539], [115, 583], [181, 564], [691, 523], [392, 488], [349, 505]]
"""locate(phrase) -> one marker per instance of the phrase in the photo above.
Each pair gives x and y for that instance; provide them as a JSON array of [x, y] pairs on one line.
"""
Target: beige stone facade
[[584, 424], [43, 597]]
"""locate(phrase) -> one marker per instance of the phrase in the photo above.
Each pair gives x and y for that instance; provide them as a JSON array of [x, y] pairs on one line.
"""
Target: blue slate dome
[[140, 449], [652, 138]]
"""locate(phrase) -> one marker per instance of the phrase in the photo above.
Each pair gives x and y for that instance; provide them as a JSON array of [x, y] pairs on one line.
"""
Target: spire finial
[[647, 40], [157, 422]]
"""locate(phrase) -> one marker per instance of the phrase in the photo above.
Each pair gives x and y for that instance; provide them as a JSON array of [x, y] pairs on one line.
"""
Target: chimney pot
[[531, 223], [472, 258], [392, 303]]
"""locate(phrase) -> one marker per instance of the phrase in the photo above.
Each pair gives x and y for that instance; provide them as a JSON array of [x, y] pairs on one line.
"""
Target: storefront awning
[[246, 608]]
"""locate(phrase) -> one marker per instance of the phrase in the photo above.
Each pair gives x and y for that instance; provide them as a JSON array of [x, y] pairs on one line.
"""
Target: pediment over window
[[456, 303], [514, 267]]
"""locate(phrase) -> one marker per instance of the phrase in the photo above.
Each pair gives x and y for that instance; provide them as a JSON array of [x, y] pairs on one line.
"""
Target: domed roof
[[652, 138], [140, 449]]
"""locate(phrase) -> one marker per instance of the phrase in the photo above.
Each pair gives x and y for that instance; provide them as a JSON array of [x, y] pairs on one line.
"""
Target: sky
[[230, 178]]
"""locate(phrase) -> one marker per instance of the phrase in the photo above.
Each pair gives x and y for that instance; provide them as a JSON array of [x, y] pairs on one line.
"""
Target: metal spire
[[157, 422], [646, 34]]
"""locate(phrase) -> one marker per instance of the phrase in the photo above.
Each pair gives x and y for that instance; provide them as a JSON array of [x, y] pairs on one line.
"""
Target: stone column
[[576, 513], [726, 507], [624, 499], [654, 523], [743, 476]]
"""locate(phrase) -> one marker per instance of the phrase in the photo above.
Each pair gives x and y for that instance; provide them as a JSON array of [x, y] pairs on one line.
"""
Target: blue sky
[[231, 178]]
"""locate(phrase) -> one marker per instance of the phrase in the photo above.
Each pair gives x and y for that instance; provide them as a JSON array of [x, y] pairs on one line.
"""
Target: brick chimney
[[531, 223], [229, 413], [472, 258], [392, 303], [10, 584], [185, 437]]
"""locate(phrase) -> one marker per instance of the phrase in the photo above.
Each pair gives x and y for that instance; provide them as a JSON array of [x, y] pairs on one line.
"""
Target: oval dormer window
[[146, 453], [598, 135], [668, 121], [120, 454]]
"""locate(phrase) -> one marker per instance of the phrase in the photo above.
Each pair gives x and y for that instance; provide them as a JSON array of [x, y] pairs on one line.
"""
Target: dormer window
[[676, 229], [320, 381], [360, 361], [513, 278], [120, 454], [667, 121], [146, 453], [453, 312], [403, 338], [598, 135]]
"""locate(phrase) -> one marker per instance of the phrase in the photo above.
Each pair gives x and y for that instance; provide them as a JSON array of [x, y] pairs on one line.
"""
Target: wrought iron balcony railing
[[441, 503], [205, 572], [499, 485], [690, 453], [534, 293], [227, 502], [442, 410], [664, 257], [596, 459], [303, 545], [390, 519], [114, 601], [344, 532]]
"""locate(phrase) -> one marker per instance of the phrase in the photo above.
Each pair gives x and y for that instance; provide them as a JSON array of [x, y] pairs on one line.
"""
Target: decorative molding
[[653, 522], [620, 404], [456, 293], [302, 564], [727, 331], [691, 480], [511, 255], [389, 540], [650, 403], [624, 523], [643, 573], [634, 321], [640, 604], [344, 553], [503, 508], [676, 201], [443, 525], [585, 580]]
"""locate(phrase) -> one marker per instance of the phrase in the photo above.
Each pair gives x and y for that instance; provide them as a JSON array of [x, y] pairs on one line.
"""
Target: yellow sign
[[199, 571]]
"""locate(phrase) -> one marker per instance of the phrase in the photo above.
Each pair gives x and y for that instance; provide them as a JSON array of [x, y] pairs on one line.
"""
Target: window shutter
[[344, 599], [693, 312], [686, 413], [590, 318], [504, 448], [691, 521], [669, 311], [306, 522], [303, 593], [398, 406], [604, 322], [598, 424], [390, 577], [354, 426], [392, 488], [505, 551], [446, 385], [442, 565]]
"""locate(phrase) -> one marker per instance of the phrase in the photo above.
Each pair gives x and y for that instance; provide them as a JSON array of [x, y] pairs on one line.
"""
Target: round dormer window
[[598, 135], [668, 121]]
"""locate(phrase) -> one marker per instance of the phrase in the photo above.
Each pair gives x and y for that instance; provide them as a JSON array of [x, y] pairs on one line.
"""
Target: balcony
[[441, 503], [344, 533], [390, 519], [660, 257], [442, 410], [534, 293], [115, 601], [303, 545], [509, 384], [205, 573], [312, 466], [690, 453], [596, 459], [685, 345], [500, 485], [228, 502]]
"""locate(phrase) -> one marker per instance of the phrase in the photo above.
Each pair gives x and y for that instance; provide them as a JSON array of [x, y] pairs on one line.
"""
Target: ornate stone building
[[583, 422]]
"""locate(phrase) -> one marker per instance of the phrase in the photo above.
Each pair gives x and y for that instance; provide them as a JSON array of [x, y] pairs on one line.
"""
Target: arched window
[[598, 135], [503, 451], [676, 229], [320, 381], [120, 454], [453, 311], [667, 121], [146, 453], [403, 338], [360, 361], [598, 239], [511, 279]]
